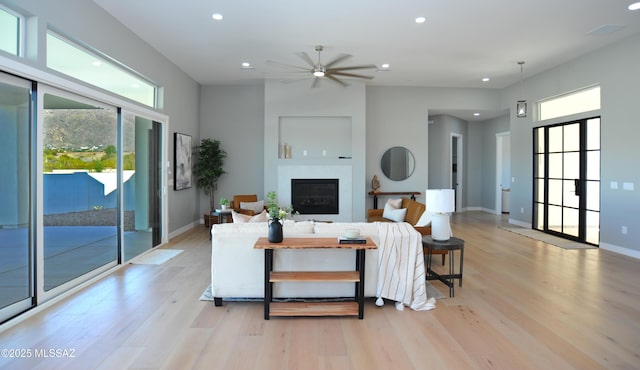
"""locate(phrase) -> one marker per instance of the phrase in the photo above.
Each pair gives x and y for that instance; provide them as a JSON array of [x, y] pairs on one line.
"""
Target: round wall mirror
[[397, 163]]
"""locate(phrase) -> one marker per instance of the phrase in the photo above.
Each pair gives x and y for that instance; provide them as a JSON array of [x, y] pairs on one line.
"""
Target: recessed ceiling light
[[135, 86], [486, 79], [476, 114], [217, 16], [634, 6], [246, 65], [385, 65], [97, 63], [421, 20]]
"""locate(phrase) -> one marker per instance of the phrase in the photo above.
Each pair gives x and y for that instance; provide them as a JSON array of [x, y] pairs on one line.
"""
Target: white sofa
[[237, 269]]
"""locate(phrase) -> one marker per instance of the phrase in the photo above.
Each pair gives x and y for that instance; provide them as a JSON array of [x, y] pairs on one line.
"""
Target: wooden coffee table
[[349, 308]]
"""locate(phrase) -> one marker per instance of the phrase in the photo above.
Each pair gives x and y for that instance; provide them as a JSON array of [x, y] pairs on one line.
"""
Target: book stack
[[344, 240]]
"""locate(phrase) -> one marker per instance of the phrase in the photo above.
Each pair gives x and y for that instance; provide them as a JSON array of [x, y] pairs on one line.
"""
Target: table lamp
[[440, 202]]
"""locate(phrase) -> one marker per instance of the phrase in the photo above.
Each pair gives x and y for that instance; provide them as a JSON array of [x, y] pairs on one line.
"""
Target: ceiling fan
[[330, 70]]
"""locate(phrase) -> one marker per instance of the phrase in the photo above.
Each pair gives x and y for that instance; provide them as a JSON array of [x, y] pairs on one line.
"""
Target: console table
[[349, 308], [376, 193]]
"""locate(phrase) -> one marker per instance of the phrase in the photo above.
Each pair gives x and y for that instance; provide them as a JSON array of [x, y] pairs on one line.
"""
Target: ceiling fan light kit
[[330, 70]]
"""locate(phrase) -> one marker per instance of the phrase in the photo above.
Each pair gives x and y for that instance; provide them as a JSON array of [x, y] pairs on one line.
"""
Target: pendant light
[[521, 105]]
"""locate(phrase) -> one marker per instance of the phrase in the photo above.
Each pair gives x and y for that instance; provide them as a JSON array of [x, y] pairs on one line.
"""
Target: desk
[[449, 245], [351, 308]]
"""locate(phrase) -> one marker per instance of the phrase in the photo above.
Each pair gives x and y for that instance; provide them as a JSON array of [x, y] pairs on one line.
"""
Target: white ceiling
[[461, 42]]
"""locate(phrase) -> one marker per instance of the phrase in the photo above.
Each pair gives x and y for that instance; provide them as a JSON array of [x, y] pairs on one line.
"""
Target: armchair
[[414, 211], [237, 201]]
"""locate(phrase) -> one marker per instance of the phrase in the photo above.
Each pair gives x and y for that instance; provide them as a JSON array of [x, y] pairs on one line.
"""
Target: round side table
[[450, 246]]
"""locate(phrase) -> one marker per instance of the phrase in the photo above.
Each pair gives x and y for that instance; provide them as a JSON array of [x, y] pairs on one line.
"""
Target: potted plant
[[224, 203], [207, 168]]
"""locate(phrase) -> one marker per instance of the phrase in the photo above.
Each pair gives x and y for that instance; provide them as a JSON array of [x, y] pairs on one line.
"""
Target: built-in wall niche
[[314, 137]]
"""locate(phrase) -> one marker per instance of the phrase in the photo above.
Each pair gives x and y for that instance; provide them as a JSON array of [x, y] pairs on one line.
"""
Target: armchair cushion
[[394, 214], [256, 207], [414, 212]]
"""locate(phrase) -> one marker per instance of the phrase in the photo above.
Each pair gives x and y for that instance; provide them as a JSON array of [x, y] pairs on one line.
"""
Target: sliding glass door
[[79, 189], [141, 184], [82, 189], [16, 221]]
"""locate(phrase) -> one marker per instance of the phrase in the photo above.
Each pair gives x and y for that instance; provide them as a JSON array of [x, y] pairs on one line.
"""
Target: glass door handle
[[578, 188]]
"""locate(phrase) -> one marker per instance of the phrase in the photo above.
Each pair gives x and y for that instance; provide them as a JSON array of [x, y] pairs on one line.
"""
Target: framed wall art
[[182, 175]]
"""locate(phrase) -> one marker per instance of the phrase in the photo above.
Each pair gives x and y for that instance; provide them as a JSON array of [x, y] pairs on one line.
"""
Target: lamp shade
[[440, 200]]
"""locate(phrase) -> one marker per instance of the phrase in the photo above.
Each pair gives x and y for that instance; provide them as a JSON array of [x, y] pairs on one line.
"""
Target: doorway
[[456, 168], [566, 191], [503, 172]]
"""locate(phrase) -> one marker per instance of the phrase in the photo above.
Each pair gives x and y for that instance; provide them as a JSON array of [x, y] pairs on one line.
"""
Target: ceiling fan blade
[[271, 62], [339, 59], [332, 78], [304, 56], [365, 66], [338, 73], [316, 83]]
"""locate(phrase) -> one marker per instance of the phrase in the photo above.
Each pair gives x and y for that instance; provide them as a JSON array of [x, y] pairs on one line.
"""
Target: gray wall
[[235, 116], [440, 136], [615, 68], [489, 129], [396, 117], [400, 116], [86, 22]]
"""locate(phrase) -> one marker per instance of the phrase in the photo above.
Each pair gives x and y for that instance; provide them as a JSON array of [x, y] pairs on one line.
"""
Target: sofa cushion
[[256, 207], [240, 218], [291, 227], [394, 214]]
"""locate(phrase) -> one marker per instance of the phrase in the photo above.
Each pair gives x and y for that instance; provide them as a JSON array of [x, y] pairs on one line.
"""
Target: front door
[[566, 192]]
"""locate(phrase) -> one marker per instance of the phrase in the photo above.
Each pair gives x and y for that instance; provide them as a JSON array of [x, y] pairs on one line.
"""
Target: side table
[[222, 215], [450, 246]]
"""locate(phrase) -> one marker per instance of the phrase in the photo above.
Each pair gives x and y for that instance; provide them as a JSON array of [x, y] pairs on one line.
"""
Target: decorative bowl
[[351, 233]]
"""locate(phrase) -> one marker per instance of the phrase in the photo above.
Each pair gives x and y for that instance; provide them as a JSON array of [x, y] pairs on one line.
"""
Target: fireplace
[[315, 196]]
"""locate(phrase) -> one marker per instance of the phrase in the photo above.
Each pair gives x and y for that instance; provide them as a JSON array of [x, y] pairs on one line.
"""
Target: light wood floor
[[523, 305]]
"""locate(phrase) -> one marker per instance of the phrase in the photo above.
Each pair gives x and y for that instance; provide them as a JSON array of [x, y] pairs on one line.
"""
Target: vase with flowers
[[277, 214]]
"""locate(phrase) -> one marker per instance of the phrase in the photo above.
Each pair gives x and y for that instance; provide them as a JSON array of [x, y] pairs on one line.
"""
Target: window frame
[[578, 109], [20, 31], [110, 62]]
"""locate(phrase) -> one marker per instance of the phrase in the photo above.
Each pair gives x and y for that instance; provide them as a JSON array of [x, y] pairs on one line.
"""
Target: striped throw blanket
[[401, 269]]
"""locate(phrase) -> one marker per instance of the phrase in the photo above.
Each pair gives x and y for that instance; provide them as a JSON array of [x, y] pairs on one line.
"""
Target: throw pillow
[[395, 203], [239, 218], [425, 219], [393, 214], [256, 207]]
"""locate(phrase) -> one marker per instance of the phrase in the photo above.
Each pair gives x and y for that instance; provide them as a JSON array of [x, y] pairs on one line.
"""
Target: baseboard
[[520, 223], [620, 250], [185, 228]]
